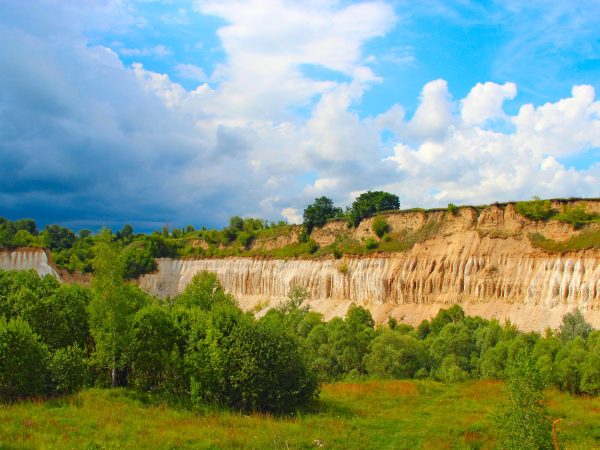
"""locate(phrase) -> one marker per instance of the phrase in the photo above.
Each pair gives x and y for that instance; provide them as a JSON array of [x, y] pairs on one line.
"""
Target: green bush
[[154, 355], [23, 361], [394, 355], [576, 215], [536, 209], [249, 366], [371, 244], [452, 209], [245, 238], [69, 369], [380, 226], [524, 421], [312, 246], [204, 292]]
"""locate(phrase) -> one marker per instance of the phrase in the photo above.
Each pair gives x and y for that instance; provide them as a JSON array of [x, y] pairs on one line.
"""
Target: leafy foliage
[[23, 361], [524, 422], [380, 226], [536, 209], [319, 212], [369, 203]]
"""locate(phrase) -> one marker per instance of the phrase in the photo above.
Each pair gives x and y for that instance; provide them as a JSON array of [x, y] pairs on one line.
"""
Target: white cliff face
[[490, 277], [25, 259], [544, 282]]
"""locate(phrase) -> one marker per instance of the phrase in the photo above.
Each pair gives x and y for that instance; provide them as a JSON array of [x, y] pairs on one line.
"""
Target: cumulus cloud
[[434, 114], [485, 101], [473, 163]]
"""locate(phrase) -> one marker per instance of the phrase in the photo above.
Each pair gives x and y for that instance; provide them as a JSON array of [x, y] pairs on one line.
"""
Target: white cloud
[[191, 72], [159, 51], [434, 114], [473, 164], [485, 101], [266, 43], [291, 215]]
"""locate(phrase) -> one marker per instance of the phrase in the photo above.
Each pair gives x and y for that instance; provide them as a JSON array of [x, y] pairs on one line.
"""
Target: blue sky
[[176, 112]]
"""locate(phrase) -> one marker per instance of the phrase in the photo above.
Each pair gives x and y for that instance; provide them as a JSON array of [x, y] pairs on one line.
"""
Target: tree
[[248, 365], [319, 212], [68, 367], [204, 292], [111, 309], [23, 360], [370, 203], [394, 355], [154, 354], [573, 325], [58, 237], [524, 422]]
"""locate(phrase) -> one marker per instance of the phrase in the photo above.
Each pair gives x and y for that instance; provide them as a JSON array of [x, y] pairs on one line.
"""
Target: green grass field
[[361, 415]]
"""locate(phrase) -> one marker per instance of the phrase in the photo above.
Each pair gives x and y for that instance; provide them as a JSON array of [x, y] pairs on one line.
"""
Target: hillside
[[492, 260]]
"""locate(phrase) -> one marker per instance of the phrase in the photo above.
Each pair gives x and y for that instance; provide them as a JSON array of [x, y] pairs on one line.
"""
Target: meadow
[[349, 415]]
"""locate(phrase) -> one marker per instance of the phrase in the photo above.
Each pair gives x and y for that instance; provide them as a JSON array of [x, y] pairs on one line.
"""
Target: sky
[[154, 112]]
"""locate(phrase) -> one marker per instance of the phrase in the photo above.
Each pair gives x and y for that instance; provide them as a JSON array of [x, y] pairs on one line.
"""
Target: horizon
[[172, 113]]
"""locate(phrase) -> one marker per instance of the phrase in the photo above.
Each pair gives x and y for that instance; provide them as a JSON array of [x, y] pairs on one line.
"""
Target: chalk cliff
[[26, 259], [483, 261]]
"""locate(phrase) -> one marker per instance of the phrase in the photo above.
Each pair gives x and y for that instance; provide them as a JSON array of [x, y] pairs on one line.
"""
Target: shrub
[[312, 246], [23, 361], [204, 291], [68, 367], [380, 226], [337, 253], [394, 355], [137, 261], [452, 209], [343, 267], [245, 238], [536, 209], [371, 244], [249, 366], [573, 325], [524, 422], [575, 215]]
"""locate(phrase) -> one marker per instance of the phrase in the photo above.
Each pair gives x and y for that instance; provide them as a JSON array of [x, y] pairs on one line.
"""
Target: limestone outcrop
[[485, 262], [481, 259], [26, 259]]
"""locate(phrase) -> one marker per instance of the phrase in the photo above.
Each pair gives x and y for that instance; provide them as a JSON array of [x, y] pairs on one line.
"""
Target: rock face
[[27, 258], [482, 260], [485, 263]]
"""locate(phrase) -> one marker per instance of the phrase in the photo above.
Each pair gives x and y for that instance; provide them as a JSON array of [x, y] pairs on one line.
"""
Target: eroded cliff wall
[[485, 263], [26, 259]]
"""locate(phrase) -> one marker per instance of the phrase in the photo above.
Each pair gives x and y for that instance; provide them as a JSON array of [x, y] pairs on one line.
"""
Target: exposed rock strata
[[501, 277], [26, 259]]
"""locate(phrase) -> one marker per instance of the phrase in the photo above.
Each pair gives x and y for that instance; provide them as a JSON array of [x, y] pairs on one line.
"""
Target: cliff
[[26, 259], [482, 260]]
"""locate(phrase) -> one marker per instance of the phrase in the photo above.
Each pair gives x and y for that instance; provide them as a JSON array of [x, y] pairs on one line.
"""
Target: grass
[[584, 240], [357, 415]]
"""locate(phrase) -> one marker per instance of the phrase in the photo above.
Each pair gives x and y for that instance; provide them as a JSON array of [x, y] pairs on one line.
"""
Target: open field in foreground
[[361, 415]]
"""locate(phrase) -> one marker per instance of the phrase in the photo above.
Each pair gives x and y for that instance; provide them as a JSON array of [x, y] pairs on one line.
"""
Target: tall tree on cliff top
[[111, 309], [317, 213], [369, 203]]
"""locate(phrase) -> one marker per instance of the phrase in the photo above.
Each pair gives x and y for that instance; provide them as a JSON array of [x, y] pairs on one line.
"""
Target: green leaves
[[369, 203], [319, 212]]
